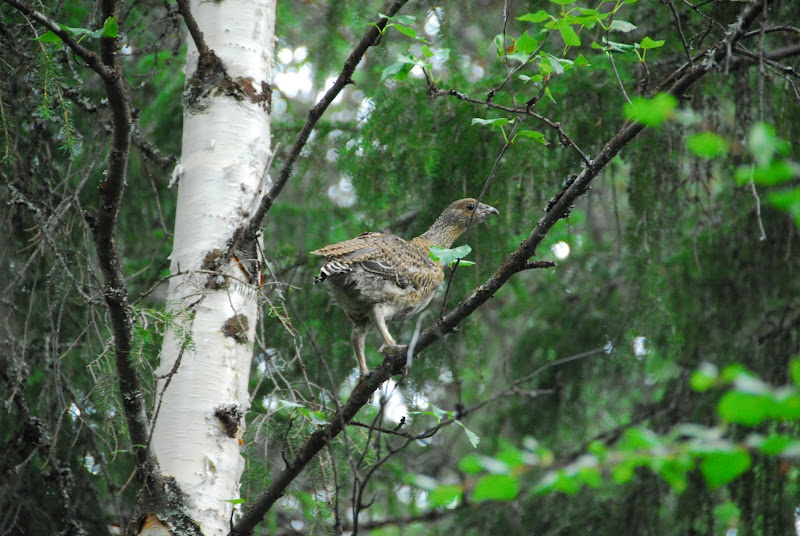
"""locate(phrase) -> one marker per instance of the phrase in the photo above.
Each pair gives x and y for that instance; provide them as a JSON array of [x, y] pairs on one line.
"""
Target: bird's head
[[463, 210], [455, 219]]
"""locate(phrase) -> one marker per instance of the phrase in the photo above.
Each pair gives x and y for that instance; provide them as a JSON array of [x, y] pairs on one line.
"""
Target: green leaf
[[406, 20], [496, 121], [769, 174], [707, 144], [774, 444], [539, 16], [727, 514], [235, 501], [48, 37], [764, 144], [623, 472], [405, 30], [470, 464], [622, 26], [673, 471], [786, 405], [447, 257], [426, 51], [444, 494], [567, 482], [638, 438], [569, 36], [582, 61], [648, 43], [399, 70], [563, 2], [704, 378], [496, 488], [425, 482], [472, 436], [651, 112], [745, 408], [720, 468], [526, 44], [535, 134], [110, 28], [794, 371], [788, 200], [731, 372]]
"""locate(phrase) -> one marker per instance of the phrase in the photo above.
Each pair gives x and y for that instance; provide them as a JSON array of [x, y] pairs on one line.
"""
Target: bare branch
[[93, 61], [370, 38], [393, 364], [194, 29]]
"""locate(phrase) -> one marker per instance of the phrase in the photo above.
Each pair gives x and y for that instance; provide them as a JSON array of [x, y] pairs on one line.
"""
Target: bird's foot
[[388, 349]]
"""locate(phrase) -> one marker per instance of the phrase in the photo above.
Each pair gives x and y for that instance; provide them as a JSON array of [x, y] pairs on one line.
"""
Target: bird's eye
[[470, 206]]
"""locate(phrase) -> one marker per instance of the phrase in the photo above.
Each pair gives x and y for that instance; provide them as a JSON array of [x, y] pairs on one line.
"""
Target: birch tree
[[202, 391]]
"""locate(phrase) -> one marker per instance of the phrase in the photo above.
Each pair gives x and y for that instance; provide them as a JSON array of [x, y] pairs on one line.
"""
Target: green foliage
[[448, 257], [651, 112], [109, 29], [772, 167], [657, 350]]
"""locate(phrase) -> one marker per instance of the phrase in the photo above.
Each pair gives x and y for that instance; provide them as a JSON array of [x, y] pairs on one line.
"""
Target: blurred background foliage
[[663, 268]]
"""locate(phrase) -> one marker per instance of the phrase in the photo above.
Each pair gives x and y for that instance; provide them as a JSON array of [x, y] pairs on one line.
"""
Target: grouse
[[379, 277]]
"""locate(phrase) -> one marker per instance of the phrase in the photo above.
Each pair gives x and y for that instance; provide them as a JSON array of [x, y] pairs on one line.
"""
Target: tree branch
[[93, 61], [370, 38], [394, 364]]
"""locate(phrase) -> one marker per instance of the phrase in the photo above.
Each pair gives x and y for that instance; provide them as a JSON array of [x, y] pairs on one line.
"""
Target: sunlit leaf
[[727, 514], [764, 143], [406, 20], [722, 467], [48, 37], [704, 377], [444, 494], [399, 70], [496, 488], [495, 121], [110, 27], [744, 408], [534, 134], [405, 30], [569, 36], [582, 61], [471, 436], [707, 144], [794, 365], [447, 257], [539, 16], [648, 43], [622, 26], [470, 464], [526, 44], [651, 112]]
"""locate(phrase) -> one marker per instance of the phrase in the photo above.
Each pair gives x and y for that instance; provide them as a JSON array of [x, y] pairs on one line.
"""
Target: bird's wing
[[382, 254]]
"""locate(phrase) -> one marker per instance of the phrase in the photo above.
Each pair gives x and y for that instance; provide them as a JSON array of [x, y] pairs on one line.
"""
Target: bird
[[378, 277]]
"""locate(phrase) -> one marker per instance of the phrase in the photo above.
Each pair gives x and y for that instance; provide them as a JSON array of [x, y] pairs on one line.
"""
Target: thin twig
[[677, 18], [370, 38], [395, 362]]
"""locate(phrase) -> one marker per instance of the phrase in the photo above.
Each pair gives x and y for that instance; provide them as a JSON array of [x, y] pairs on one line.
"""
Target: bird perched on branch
[[379, 277]]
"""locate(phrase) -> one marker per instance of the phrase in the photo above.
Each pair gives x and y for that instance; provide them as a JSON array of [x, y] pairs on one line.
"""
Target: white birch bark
[[225, 149]]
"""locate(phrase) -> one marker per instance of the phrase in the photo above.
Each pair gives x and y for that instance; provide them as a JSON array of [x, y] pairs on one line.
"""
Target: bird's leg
[[376, 315], [357, 337]]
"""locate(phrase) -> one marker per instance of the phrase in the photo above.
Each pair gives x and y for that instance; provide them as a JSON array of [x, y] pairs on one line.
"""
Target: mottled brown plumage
[[379, 277]]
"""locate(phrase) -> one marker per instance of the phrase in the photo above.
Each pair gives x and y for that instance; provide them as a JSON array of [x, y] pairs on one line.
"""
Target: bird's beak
[[484, 211]]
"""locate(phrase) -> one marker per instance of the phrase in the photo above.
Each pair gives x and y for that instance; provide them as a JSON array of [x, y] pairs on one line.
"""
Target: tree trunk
[[202, 391]]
